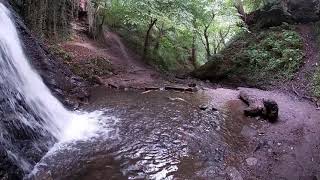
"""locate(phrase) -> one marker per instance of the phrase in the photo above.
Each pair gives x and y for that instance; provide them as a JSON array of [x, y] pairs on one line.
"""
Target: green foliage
[[271, 55], [179, 28]]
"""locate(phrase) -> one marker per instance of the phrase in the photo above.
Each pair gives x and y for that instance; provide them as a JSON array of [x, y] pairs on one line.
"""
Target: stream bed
[[174, 135]]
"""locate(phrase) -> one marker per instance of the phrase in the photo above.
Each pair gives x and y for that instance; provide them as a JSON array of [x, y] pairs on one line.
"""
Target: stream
[[166, 135], [152, 135]]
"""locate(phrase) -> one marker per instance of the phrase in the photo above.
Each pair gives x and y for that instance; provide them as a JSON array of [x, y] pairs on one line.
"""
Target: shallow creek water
[[165, 135], [154, 135]]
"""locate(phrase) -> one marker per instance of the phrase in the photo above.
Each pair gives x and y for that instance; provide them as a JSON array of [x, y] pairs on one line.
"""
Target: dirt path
[[301, 85], [128, 69], [286, 150]]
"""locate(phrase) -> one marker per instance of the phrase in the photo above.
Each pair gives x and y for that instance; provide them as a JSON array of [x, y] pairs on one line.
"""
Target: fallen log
[[255, 106], [173, 88], [151, 88], [258, 107], [183, 89]]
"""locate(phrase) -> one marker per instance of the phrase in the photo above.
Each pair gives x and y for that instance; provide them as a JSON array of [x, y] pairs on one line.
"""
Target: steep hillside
[[258, 58]]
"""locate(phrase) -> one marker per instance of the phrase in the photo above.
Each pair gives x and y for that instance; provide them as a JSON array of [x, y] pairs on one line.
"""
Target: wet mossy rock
[[214, 69], [65, 85]]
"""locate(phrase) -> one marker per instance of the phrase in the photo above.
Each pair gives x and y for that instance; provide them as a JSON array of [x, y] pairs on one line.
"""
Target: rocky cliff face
[[50, 19], [304, 10], [290, 11], [66, 86], [16, 138]]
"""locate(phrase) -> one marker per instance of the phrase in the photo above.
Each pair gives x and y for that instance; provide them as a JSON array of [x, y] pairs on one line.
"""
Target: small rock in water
[[203, 107], [252, 161], [214, 109], [192, 85], [271, 110], [233, 173]]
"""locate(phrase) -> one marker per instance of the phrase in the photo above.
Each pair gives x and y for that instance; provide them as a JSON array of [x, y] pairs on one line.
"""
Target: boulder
[[280, 11], [304, 11], [264, 18], [214, 69]]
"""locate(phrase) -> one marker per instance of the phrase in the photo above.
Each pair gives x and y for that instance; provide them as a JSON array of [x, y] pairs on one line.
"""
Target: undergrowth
[[89, 69], [92, 68], [267, 56]]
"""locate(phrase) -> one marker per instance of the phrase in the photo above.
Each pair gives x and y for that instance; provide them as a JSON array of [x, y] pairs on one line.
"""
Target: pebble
[[248, 131], [252, 161], [233, 173]]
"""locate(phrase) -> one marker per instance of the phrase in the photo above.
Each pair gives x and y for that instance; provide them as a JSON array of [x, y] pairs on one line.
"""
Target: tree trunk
[[240, 9], [161, 34], [194, 53], [206, 37], [146, 41]]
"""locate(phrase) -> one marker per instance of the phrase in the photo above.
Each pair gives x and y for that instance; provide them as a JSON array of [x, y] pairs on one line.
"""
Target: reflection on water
[[157, 135]]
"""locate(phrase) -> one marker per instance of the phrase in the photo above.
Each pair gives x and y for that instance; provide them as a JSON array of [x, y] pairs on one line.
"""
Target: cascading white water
[[17, 73]]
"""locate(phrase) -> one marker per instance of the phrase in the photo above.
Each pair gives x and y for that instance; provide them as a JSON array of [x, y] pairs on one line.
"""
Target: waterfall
[[33, 110]]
